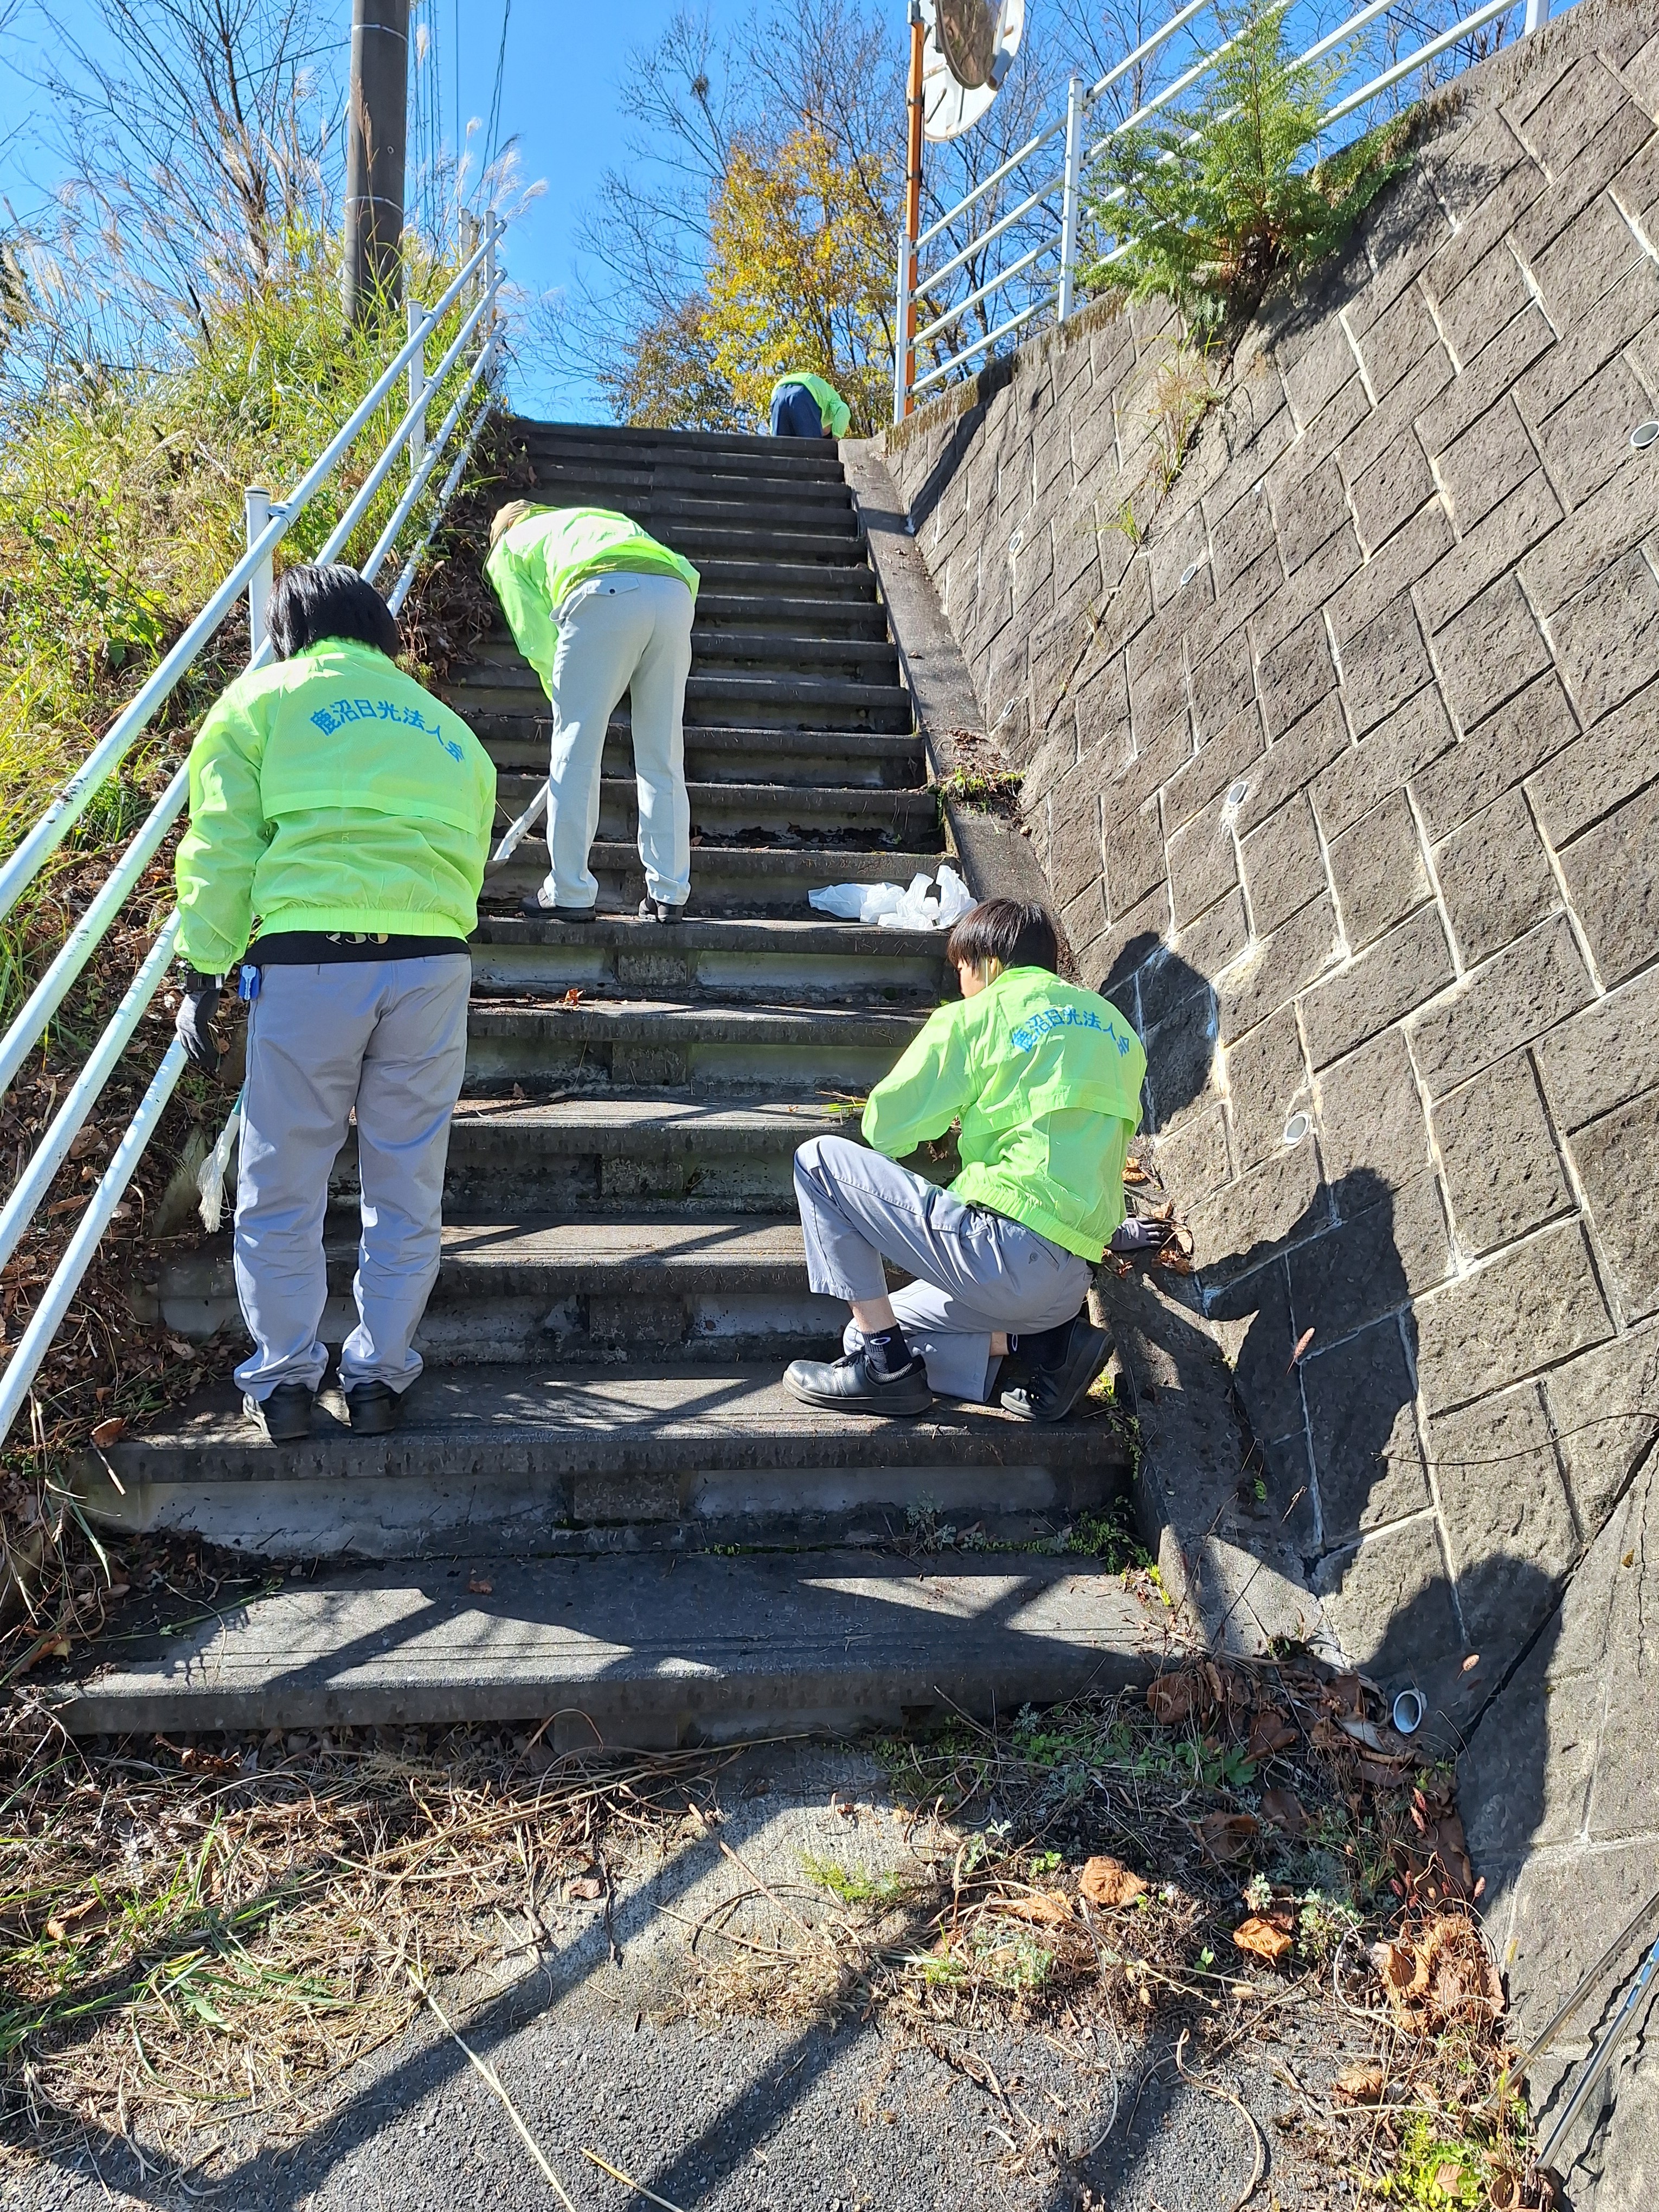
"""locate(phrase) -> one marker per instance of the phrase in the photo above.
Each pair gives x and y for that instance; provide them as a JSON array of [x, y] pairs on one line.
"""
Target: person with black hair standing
[[1045, 1078], [345, 813]]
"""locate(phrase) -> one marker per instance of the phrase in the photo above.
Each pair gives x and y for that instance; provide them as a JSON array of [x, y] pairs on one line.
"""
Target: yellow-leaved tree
[[800, 274]]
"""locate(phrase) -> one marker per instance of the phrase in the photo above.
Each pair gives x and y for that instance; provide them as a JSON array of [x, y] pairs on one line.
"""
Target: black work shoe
[[285, 1415], [847, 1384], [373, 1408], [660, 910], [1052, 1390], [536, 912]]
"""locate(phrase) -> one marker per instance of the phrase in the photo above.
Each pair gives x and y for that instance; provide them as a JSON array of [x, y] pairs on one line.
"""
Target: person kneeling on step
[[346, 812], [1046, 1081], [599, 609]]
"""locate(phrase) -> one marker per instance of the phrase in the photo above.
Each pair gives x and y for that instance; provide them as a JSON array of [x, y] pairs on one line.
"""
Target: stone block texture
[[1347, 759]]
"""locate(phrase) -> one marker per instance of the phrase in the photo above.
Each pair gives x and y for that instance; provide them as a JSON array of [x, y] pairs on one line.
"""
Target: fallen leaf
[[1270, 1732], [1109, 1881], [1282, 1809], [588, 1886], [180, 1350], [573, 997], [1049, 1908], [60, 1923], [1448, 2178], [1384, 1773], [1261, 1940], [478, 1587], [1471, 1663], [59, 1650], [86, 1140], [109, 1432], [1302, 1344], [1361, 2085], [1227, 1835], [1170, 1697]]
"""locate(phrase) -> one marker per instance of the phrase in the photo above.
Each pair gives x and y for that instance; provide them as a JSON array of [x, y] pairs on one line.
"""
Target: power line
[[495, 99]]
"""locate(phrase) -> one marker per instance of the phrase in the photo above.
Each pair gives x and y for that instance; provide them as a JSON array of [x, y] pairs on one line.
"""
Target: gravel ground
[[742, 2113]]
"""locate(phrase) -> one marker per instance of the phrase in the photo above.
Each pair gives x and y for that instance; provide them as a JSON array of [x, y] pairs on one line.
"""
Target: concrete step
[[753, 699], [621, 447], [498, 660], [839, 582], [620, 1041], [775, 502], [820, 544], [543, 1459], [735, 880], [594, 1288], [781, 610], [557, 470], [763, 813], [837, 961], [645, 1654], [888, 759], [630, 1151]]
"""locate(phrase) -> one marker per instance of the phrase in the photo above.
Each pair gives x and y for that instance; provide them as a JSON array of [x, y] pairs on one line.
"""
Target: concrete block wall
[[1344, 775]]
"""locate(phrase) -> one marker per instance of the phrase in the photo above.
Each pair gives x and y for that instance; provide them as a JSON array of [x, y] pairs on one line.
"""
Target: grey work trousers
[[388, 1037], [624, 631], [978, 1273]]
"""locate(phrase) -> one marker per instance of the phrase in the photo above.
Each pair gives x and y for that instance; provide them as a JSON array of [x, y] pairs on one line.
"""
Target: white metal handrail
[[268, 524], [913, 281]]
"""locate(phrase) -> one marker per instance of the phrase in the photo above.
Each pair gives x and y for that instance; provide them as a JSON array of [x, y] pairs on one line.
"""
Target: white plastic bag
[[211, 1175], [841, 900], [915, 910], [955, 899], [878, 899]]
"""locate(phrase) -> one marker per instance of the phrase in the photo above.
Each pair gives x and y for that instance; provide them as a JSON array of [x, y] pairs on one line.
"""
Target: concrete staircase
[[622, 1280]]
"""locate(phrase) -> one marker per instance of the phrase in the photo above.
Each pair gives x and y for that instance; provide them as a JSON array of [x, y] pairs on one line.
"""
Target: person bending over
[[807, 407], [1046, 1081], [346, 813], [599, 609]]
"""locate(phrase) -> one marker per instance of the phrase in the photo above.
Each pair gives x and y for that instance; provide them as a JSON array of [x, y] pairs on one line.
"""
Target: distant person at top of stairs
[[599, 609], [1046, 1080], [807, 407], [346, 812]]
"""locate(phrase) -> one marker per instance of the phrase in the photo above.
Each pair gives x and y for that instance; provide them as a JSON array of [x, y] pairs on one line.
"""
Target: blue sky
[[559, 95]]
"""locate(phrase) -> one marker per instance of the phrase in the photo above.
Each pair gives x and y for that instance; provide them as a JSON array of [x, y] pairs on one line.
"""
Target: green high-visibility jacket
[[330, 792], [541, 559], [1047, 1080], [833, 410]]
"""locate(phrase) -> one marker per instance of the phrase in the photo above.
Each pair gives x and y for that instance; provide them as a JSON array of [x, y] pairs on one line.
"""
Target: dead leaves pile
[[1440, 1977]]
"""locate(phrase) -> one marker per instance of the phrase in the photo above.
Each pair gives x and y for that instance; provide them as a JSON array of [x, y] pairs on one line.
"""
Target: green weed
[[853, 1885]]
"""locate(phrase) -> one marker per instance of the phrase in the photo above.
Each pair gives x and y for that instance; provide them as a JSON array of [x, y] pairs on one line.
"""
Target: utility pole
[[377, 123]]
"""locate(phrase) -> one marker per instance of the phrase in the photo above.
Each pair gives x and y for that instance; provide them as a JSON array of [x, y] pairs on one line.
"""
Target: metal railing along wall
[[1044, 224], [268, 523]]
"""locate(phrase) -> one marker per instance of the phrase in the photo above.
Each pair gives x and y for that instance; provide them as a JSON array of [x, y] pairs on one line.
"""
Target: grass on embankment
[[121, 507]]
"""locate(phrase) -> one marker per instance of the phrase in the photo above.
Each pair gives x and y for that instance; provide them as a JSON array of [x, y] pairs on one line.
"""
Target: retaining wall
[[1344, 775]]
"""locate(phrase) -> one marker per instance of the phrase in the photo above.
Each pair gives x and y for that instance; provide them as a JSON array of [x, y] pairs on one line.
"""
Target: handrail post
[[417, 385], [256, 502], [1071, 191], [1538, 14], [904, 326]]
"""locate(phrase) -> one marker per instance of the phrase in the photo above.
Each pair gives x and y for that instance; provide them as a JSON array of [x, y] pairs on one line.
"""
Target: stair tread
[[678, 1121], [639, 1249], [606, 1416], [638, 1644], [736, 933], [646, 1019]]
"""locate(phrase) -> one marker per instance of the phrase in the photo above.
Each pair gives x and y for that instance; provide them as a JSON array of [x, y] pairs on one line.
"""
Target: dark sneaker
[[536, 912], [373, 1408], [285, 1415], [1052, 1390], [660, 910], [847, 1384]]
